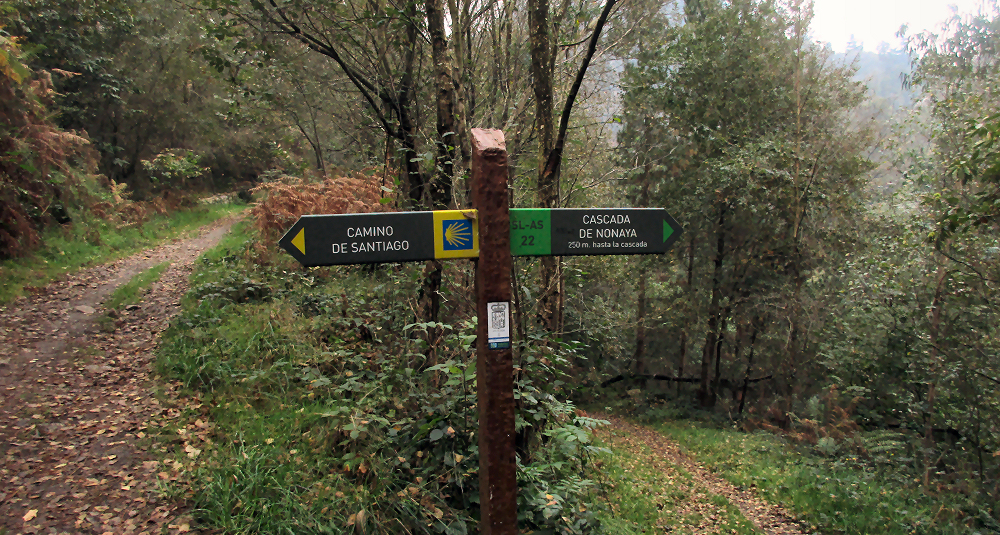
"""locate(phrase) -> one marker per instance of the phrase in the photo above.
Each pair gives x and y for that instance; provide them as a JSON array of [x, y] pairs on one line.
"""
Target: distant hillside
[[883, 71], [889, 106]]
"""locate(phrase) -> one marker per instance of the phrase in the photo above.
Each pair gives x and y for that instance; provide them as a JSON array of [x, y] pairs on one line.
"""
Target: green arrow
[[667, 230]]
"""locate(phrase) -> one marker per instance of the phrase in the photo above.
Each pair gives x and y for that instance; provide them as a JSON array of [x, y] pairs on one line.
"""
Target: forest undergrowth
[[331, 409], [65, 249], [866, 482]]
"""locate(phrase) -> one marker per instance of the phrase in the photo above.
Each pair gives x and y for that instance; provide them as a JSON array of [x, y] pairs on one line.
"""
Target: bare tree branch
[[554, 160]]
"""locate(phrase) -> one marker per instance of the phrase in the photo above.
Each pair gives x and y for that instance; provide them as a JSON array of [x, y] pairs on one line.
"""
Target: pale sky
[[874, 21]]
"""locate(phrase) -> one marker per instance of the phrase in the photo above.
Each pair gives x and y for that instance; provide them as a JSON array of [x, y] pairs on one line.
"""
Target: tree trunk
[[463, 92], [541, 73], [680, 365], [412, 179], [723, 325], [440, 184], [550, 147], [934, 335], [429, 306], [508, 39], [640, 328], [684, 332], [313, 144], [746, 378], [387, 162], [548, 184], [320, 160], [706, 396]]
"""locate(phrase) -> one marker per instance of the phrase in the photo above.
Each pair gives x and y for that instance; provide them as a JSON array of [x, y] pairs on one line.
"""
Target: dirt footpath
[[74, 401], [767, 518]]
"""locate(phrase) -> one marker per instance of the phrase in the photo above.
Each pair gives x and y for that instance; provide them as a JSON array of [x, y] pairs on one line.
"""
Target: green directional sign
[[591, 231]]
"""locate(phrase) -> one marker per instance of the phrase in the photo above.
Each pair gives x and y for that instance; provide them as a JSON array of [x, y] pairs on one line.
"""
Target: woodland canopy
[[838, 273]]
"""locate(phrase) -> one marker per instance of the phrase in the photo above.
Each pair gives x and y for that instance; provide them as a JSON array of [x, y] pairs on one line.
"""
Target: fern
[[290, 197], [882, 443], [10, 64]]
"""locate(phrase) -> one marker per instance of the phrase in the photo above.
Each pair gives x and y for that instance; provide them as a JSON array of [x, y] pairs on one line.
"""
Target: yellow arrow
[[299, 241]]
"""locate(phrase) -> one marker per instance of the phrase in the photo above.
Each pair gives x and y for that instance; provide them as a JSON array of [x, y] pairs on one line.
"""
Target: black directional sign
[[324, 240], [591, 231]]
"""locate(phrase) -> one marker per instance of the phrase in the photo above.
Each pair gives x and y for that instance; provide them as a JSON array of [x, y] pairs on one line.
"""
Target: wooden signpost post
[[490, 235], [494, 360]]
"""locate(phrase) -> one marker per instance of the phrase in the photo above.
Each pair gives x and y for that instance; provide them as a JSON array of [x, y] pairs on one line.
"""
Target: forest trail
[[690, 492], [75, 402]]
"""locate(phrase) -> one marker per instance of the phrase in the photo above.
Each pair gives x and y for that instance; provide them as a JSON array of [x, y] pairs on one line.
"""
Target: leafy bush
[[237, 288], [174, 167]]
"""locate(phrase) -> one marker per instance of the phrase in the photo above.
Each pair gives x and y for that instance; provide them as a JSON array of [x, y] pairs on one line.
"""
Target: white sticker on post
[[498, 326]]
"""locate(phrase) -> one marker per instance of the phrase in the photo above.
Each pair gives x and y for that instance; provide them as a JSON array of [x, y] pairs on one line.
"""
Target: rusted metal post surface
[[494, 362]]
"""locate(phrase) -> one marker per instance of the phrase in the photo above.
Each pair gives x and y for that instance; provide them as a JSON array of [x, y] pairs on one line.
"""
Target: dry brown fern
[[33, 152], [289, 198]]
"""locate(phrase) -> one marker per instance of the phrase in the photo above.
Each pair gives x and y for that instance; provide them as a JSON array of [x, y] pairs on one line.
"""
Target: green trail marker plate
[[591, 231], [326, 240]]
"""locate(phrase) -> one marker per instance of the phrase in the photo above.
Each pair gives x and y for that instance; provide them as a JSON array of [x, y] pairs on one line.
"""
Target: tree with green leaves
[[552, 142], [377, 47], [911, 339], [132, 75], [737, 125], [958, 185]]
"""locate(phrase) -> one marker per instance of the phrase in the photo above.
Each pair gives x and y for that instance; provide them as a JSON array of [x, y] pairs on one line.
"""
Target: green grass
[[273, 476], [831, 494], [646, 494], [266, 466], [129, 294], [70, 248]]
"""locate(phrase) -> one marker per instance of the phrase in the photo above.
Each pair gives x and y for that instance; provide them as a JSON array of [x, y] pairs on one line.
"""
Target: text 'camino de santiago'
[[370, 246]]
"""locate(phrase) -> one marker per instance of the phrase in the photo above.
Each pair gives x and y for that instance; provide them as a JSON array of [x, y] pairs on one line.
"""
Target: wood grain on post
[[494, 367]]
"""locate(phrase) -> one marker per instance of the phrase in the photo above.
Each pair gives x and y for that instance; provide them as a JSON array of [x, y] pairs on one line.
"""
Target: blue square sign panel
[[457, 234]]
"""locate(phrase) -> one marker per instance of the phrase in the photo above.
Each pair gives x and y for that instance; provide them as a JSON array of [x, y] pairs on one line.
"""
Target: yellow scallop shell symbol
[[457, 234]]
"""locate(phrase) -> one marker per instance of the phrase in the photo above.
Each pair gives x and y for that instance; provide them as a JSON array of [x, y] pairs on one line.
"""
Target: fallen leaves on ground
[[77, 405], [684, 476]]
